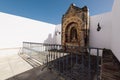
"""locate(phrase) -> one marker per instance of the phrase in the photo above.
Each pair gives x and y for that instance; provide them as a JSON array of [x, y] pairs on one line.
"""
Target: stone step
[[114, 73], [110, 66], [30, 60], [108, 60], [111, 76]]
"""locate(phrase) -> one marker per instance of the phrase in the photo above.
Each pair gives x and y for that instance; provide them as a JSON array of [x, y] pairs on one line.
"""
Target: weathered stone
[[75, 26]]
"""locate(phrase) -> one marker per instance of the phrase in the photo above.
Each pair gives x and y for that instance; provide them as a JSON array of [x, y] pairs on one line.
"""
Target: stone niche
[[75, 26]]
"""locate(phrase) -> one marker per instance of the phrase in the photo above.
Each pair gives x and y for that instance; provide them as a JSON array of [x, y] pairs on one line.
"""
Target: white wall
[[56, 38], [116, 28], [58, 35], [14, 30], [108, 37], [101, 39]]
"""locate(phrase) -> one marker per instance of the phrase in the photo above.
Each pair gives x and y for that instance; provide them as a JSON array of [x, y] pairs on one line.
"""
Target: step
[[31, 61], [110, 76], [110, 68]]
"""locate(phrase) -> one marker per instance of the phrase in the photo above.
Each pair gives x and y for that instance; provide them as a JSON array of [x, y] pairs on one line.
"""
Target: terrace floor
[[37, 74], [13, 67], [12, 64]]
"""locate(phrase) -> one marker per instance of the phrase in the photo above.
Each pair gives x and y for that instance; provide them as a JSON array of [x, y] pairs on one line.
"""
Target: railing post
[[49, 57], [76, 57], [23, 48], [54, 50], [89, 64], [98, 65], [63, 61], [82, 58], [67, 60], [59, 61], [71, 61]]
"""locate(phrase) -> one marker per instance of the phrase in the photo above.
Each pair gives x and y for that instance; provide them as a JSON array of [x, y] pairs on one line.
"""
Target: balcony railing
[[72, 63]]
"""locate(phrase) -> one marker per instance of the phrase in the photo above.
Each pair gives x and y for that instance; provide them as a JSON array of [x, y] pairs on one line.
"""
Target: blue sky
[[51, 11]]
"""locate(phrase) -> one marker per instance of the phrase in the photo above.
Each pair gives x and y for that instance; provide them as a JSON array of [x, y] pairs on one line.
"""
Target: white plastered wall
[[102, 38], [58, 34], [14, 30], [115, 45]]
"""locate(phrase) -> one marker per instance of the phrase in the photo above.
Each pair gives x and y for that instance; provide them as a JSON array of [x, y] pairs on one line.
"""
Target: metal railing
[[73, 63]]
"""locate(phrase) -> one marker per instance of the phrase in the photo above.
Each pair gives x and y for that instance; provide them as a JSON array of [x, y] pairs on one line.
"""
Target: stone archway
[[71, 33], [75, 27]]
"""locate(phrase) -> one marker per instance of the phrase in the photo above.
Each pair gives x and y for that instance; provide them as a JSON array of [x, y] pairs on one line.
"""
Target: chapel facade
[[75, 26]]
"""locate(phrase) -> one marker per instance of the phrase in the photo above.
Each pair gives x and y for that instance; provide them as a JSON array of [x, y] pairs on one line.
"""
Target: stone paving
[[11, 64]]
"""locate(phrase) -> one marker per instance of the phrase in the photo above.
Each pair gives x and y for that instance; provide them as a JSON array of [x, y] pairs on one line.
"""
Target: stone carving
[[75, 26]]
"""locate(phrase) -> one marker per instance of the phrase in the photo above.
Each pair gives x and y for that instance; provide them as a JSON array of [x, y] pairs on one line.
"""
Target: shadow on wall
[[50, 39]]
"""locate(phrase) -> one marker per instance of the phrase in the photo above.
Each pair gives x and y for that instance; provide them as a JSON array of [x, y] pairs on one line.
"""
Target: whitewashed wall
[[116, 28], [58, 34], [14, 30], [101, 39]]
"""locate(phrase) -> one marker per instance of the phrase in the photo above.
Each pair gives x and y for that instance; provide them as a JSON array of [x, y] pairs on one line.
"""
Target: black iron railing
[[73, 63]]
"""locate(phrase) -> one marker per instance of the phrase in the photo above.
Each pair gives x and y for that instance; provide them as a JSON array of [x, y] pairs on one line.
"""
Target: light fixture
[[57, 32], [99, 27]]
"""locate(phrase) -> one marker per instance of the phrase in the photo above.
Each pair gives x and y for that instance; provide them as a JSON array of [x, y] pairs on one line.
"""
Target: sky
[[51, 11]]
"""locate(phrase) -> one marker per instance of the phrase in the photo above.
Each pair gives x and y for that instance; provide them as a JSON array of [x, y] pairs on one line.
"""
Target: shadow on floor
[[36, 74]]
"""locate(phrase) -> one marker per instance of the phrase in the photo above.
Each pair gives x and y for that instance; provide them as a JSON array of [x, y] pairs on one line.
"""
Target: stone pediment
[[74, 11]]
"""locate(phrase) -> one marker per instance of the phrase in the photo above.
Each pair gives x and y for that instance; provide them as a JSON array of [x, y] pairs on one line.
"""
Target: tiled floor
[[11, 64]]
